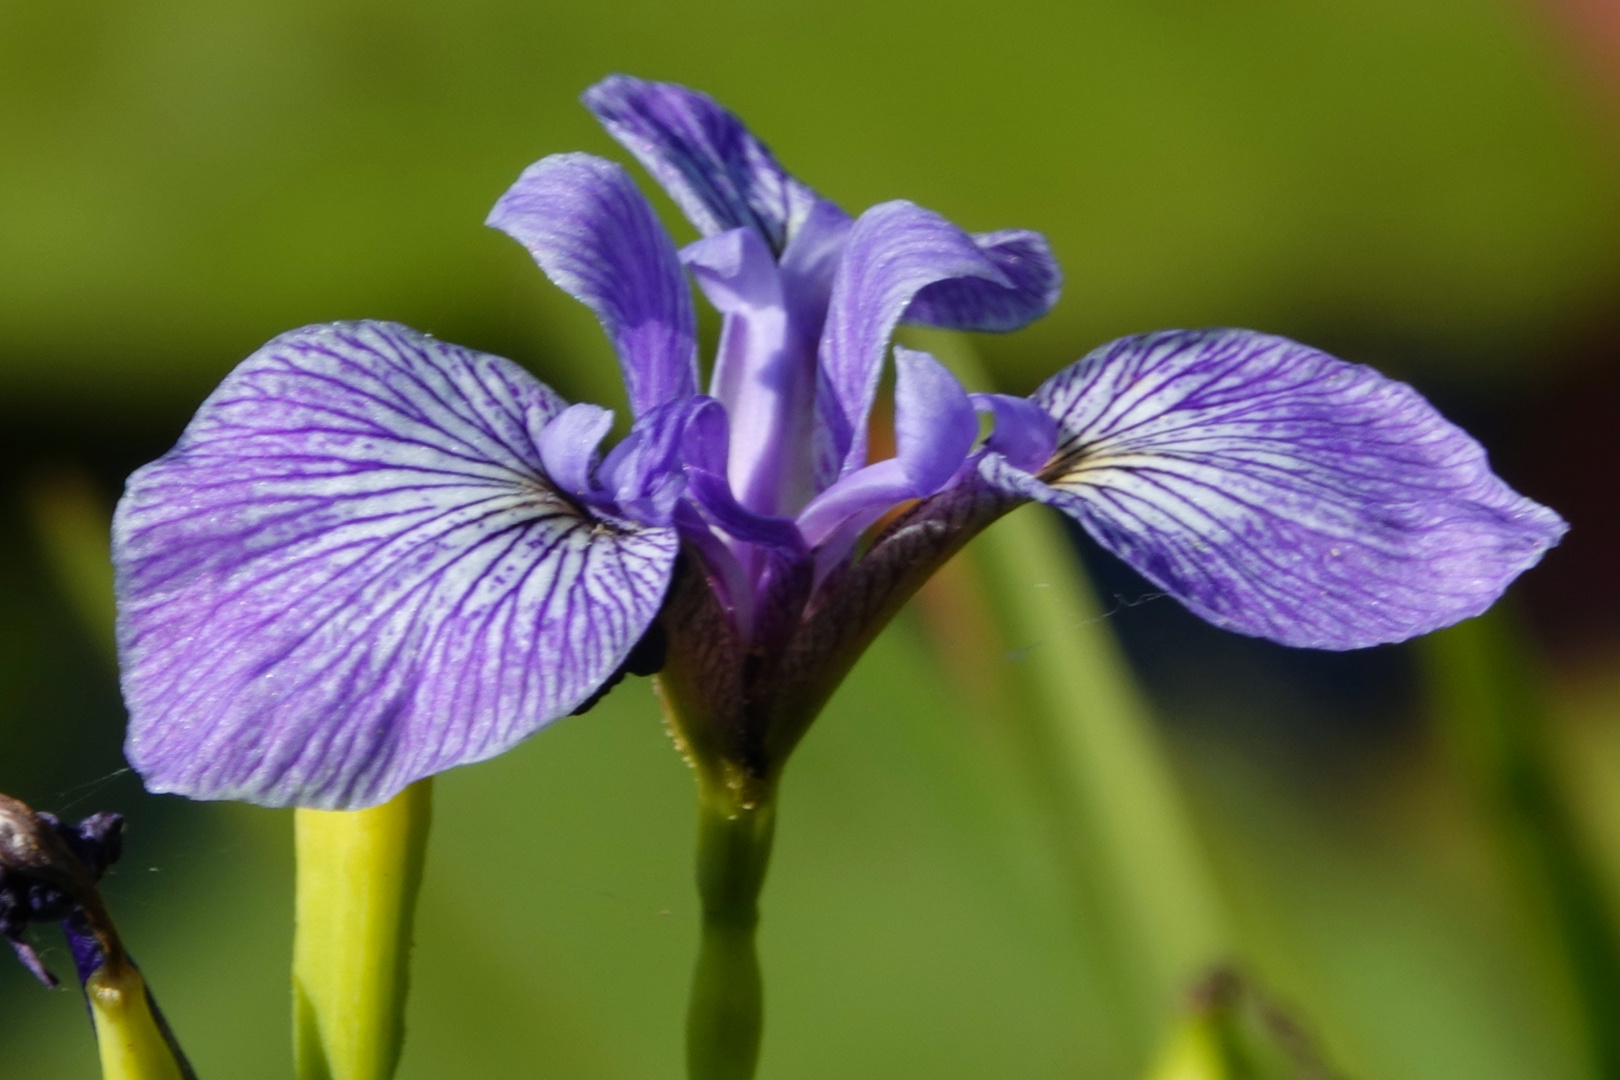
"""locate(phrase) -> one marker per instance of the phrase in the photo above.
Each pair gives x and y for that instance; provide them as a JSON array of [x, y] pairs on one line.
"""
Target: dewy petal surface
[[894, 251], [1034, 283], [718, 173], [1280, 492], [594, 234], [352, 573]]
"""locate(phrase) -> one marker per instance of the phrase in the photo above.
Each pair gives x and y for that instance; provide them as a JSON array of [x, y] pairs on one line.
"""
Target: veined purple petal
[[934, 427], [735, 270], [935, 423], [1280, 492], [353, 572], [893, 252], [1034, 278], [837, 516], [593, 233], [713, 494], [717, 172]]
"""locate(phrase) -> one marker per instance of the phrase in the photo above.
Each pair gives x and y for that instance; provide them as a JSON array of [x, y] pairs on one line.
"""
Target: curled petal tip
[[893, 252], [1029, 285]]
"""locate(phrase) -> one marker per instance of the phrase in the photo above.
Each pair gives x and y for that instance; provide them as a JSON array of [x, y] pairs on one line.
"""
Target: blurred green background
[[1415, 863]]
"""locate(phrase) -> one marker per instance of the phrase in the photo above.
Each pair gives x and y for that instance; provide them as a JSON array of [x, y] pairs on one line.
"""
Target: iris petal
[[764, 372], [1024, 433], [568, 445], [593, 233], [1034, 283], [893, 251], [1279, 492], [718, 173], [645, 472], [810, 262], [353, 572], [934, 427]]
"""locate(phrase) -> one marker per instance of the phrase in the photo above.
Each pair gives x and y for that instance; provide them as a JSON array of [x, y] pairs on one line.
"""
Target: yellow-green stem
[[1494, 715], [1196, 1052], [358, 876], [131, 1041], [727, 1011]]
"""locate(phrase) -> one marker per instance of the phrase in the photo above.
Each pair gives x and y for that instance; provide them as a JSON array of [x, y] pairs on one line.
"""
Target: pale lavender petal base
[[353, 573], [1279, 492]]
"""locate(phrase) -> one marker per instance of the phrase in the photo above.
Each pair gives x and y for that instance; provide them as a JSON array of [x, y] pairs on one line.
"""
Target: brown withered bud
[[42, 878]]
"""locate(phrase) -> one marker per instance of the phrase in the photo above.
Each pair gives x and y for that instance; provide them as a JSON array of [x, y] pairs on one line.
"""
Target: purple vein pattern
[[374, 556], [1280, 492], [357, 526]]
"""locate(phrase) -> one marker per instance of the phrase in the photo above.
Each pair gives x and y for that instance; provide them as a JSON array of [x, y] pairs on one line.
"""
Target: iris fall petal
[[353, 572], [1280, 492]]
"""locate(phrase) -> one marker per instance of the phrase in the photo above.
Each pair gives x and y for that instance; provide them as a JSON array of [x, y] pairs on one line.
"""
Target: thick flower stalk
[[374, 555]]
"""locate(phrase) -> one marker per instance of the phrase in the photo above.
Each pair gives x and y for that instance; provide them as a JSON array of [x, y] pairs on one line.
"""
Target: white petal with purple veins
[[1280, 492], [353, 572]]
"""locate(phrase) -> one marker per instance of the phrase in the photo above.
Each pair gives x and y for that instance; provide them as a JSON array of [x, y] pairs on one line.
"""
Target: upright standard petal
[[893, 252], [353, 572], [593, 233], [717, 172], [1034, 283], [1279, 492], [764, 372]]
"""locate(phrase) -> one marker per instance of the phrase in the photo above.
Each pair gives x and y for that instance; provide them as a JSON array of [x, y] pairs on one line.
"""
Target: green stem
[[727, 1011], [1495, 718], [358, 876], [129, 1032]]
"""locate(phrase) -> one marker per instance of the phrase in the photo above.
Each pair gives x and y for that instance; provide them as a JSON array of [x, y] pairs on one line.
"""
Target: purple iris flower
[[374, 555]]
